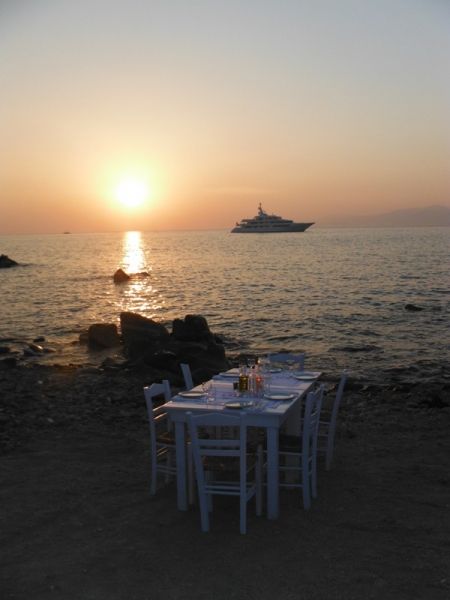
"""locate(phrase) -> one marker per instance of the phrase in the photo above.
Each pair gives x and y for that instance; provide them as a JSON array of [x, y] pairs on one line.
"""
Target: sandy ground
[[77, 520]]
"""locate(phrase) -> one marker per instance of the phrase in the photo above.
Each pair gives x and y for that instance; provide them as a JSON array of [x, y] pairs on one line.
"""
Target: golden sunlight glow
[[133, 254], [132, 193]]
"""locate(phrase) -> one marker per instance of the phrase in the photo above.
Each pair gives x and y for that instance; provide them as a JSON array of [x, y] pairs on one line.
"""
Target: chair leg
[[153, 477], [306, 487], [204, 513], [314, 475], [314, 472], [243, 512], [191, 482], [168, 459], [329, 454], [258, 480], [209, 498]]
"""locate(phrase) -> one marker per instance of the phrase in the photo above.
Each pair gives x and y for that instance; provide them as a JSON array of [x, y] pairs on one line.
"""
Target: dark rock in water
[[193, 328], [9, 362], [5, 349], [36, 348], [141, 335], [39, 339], [33, 350], [120, 276], [6, 262], [103, 335], [362, 348], [149, 344], [83, 337], [412, 307], [29, 352]]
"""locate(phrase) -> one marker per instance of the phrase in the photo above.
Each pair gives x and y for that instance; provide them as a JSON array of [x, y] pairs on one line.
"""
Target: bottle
[[259, 381], [252, 381], [243, 379]]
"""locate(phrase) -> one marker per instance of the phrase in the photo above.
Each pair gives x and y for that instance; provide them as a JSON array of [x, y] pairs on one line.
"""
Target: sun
[[132, 193]]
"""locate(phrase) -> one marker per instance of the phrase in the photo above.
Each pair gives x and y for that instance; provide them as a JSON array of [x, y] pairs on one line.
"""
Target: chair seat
[[166, 437], [227, 464]]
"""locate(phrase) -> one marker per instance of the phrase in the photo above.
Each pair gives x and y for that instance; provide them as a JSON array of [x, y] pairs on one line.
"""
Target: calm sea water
[[337, 294]]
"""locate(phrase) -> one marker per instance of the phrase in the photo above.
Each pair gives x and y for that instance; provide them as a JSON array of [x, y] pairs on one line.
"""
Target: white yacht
[[265, 223]]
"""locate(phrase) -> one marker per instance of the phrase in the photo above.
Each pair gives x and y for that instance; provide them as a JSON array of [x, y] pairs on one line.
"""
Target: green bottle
[[243, 379]]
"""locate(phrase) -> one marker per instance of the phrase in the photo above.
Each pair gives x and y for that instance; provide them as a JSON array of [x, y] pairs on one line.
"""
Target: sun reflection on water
[[139, 294], [133, 254]]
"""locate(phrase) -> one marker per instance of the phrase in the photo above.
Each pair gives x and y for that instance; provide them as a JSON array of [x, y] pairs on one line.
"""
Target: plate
[[274, 370], [282, 397], [191, 394], [239, 404], [305, 376]]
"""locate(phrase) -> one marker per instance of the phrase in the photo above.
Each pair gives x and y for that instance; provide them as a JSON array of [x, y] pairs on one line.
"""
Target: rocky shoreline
[[38, 398]]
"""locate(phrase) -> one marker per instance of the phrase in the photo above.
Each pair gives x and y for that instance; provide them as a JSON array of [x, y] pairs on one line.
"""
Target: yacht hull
[[294, 228]]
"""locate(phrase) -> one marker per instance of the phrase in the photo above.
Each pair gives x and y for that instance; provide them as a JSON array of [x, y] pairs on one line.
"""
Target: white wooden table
[[269, 414]]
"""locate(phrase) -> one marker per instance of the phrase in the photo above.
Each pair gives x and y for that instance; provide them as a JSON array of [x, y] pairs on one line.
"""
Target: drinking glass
[[267, 380], [211, 393]]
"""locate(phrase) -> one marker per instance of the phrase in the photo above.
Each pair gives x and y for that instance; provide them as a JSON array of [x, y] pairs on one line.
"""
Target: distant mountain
[[430, 216]]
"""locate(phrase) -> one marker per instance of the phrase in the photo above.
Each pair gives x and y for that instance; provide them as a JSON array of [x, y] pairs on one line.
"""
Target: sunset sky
[[184, 114]]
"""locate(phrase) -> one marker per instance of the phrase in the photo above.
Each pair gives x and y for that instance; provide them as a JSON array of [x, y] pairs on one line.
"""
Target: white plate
[[305, 376], [191, 394], [239, 404], [282, 397], [274, 370]]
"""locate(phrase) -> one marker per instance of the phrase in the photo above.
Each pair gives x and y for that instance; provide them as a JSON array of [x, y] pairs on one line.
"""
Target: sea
[[337, 294]]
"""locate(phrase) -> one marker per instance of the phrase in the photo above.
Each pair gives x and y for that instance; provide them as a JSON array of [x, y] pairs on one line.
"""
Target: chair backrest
[[311, 419], [213, 443], [187, 375], [288, 358], [337, 400], [157, 416]]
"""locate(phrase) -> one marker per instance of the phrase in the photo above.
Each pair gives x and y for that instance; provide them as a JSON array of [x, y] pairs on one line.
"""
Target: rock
[[39, 339], [163, 359], [412, 307], [29, 352], [36, 348], [193, 328], [83, 337], [6, 262], [141, 335], [141, 274], [5, 349], [103, 335], [9, 362], [120, 276]]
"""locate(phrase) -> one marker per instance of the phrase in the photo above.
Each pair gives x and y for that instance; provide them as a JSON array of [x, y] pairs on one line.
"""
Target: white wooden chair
[[298, 454], [223, 463], [327, 425], [162, 441], [288, 358], [187, 375]]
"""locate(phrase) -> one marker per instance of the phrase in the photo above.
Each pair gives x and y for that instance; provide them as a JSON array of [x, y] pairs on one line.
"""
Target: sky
[[185, 114]]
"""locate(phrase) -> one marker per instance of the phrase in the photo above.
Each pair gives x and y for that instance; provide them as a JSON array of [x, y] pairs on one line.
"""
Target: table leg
[[181, 465], [272, 473]]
